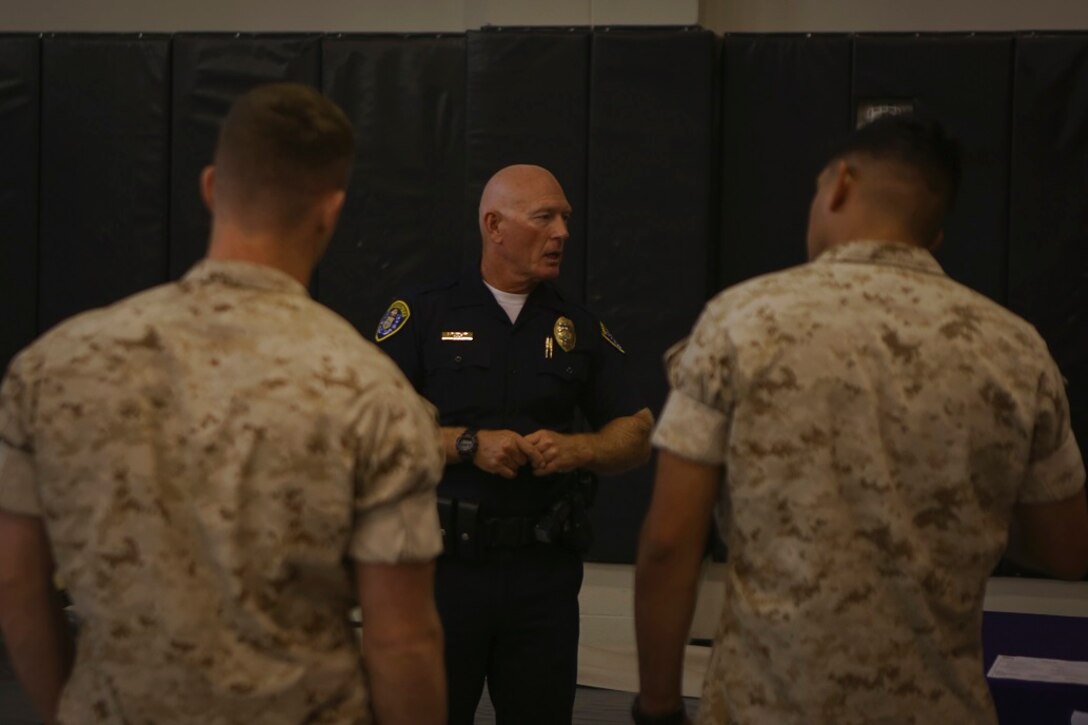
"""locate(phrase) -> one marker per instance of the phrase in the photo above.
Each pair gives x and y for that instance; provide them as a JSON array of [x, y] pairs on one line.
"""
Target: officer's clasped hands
[[503, 452]]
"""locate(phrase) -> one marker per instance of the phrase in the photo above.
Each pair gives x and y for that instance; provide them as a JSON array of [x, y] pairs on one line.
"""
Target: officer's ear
[[492, 220]]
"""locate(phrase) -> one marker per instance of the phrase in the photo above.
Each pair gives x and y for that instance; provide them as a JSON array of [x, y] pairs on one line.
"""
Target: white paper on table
[[1038, 669]]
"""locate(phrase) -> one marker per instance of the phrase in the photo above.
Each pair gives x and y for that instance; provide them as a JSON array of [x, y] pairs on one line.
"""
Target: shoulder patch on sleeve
[[393, 319], [611, 339]]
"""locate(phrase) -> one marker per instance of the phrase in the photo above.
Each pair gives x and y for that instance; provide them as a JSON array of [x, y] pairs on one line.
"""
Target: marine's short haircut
[[281, 146], [921, 145]]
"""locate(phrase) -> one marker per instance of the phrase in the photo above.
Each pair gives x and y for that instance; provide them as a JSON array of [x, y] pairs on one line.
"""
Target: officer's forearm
[[620, 445]]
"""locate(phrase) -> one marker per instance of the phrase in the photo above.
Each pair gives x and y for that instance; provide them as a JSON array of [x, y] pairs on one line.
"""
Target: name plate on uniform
[[453, 336]]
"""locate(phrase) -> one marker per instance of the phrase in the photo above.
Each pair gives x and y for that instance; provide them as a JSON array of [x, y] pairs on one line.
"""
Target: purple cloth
[[1035, 635]]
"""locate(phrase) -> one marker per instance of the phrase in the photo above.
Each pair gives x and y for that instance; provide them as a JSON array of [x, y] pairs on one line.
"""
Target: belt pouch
[[447, 520], [467, 545]]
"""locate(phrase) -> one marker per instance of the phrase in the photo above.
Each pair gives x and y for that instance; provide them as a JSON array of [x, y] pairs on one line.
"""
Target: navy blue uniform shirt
[[459, 349]]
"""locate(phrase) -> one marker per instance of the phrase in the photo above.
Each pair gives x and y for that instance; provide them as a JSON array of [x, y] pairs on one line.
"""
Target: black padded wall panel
[[19, 118], [1048, 205], [962, 81], [403, 220], [651, 168], [527, 103], [209, 72], [784, 98], [104, 155]]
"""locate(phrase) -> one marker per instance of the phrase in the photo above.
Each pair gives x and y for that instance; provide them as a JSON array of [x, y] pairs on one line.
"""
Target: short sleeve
[[400, 461], [696, 419], [18, 480], [1056, 469], [612, 393]]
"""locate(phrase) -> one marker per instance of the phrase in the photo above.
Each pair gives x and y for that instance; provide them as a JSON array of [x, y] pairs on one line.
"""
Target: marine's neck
[[291, 256]]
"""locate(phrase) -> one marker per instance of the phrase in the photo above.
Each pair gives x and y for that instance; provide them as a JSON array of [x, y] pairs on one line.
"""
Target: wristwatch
[[467, 444], [679, 717]]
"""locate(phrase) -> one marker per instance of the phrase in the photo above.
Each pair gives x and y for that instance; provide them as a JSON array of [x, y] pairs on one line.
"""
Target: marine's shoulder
[[962, 301], [112, 320], [339, 344], [80, 338], [765, 288]]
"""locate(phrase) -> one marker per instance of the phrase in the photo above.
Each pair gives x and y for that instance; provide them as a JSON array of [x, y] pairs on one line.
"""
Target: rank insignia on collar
[[564, 333], [393, 319], [611, 339]]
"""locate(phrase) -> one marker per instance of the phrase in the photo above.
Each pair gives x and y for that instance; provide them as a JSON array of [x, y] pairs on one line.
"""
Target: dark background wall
[[689, 159]]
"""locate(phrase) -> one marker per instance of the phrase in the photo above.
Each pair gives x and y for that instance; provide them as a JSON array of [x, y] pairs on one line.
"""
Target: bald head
[[512, 187], [523, 227]]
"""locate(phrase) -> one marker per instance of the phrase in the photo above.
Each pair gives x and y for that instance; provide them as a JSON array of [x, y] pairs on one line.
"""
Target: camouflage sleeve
[[1056, 470], [399, 463], [18, 483], [695, 420]]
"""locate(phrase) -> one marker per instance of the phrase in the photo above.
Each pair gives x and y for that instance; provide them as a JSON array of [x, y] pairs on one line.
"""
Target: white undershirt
[[509, 301]]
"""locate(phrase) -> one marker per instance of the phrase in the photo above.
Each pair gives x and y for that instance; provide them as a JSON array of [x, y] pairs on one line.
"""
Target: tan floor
[[591, 707]]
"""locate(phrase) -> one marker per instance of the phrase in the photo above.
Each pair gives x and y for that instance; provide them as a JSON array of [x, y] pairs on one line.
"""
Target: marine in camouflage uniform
[[204, 456], [223, 468], [874, 424]]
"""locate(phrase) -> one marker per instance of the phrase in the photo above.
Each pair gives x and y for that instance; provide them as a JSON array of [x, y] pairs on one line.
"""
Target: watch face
[[466, 443]]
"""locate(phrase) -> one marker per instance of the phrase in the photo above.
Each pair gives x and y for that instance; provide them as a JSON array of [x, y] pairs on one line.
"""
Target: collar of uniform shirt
[[473, 291], [890, 254], [235, 273]]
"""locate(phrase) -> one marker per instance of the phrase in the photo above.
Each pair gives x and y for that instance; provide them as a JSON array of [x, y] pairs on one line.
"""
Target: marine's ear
[[842, 184], [207, 187]]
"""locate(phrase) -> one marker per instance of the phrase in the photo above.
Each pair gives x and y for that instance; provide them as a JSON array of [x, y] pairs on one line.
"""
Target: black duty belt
[[467, 533]]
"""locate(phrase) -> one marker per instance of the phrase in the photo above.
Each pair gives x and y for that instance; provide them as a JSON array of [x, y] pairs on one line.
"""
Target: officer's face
[[534, 232]]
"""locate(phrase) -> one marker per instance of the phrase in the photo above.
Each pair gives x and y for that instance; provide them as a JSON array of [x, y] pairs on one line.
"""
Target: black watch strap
[[467, 444], [677, 717]]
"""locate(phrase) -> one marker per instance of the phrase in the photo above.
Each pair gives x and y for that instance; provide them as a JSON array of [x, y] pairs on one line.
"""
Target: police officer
[[508, 360]]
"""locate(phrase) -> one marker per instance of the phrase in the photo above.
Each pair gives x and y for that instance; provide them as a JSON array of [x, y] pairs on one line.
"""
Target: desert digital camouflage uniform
[[207, 456], [877, 422]]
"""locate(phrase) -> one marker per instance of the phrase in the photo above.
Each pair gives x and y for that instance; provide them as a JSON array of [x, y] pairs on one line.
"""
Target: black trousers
[[511, 618]]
